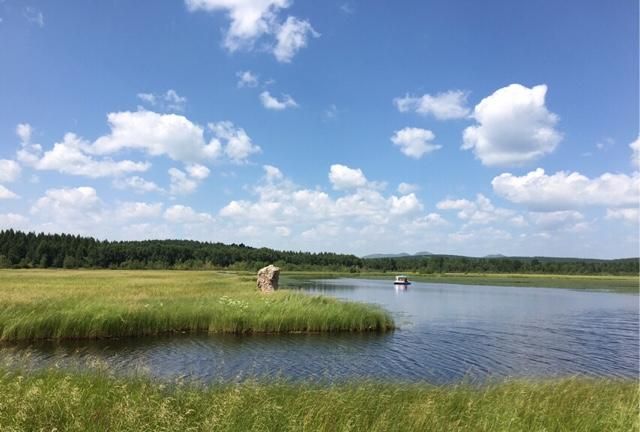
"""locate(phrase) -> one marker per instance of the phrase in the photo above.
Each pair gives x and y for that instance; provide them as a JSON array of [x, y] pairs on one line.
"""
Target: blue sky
[[450, 126]]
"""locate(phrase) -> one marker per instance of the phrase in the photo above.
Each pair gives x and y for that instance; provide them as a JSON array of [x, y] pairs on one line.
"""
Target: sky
[[455, 127]]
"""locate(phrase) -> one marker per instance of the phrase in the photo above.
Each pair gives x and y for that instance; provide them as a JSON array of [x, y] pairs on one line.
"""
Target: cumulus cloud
[[181, 183], [281, 203], [415, 142], [29, 153], [138, 210], [198, 171], [556, 220], [186, 215], [513, 127], [73, 210], [238, 144], [406, 188], [635, 152], [247, 79], [480, 211], [9, 170], [6, 193], [153, 133], [12, 220], [156, 134], [629, 215], [292, 36], [136, 184], [404, 204], [170, 101], [343, 177], [69, 157], [253, 19], [272, 173], [566, 191], [273, 103], [443, 106]]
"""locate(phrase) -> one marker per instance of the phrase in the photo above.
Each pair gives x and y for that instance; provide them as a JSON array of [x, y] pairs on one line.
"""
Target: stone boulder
[[268, 278]]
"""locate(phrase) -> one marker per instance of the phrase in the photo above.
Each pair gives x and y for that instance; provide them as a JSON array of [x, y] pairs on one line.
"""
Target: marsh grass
[[58, 304], [53, 400]]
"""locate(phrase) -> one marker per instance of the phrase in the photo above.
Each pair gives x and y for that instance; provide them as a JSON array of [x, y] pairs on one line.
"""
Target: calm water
[[448, 333]]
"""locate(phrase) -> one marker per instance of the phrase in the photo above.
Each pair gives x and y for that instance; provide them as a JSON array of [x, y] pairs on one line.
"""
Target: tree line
[[30, 250]]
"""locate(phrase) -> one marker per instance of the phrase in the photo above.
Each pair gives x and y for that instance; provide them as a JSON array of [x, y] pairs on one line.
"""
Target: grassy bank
[[93, 402], [104, 303], [610, 283]]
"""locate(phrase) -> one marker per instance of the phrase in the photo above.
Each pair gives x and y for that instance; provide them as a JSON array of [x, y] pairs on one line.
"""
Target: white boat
[[402, 280]]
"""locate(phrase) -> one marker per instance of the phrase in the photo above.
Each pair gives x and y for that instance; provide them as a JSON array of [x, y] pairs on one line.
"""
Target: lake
[[447, 333]]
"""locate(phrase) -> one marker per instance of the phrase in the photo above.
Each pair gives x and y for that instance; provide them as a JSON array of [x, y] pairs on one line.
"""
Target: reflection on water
[[448, 332]]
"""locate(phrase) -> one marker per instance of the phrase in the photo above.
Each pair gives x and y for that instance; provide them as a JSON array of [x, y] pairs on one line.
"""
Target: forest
[[30, 250]]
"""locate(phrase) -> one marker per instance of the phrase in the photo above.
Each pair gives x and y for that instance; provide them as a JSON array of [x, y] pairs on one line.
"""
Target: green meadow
[[93, 401], [59, 304]]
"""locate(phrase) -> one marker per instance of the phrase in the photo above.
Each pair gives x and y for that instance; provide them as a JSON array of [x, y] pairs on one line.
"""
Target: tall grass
[[57, 304], [51, 400]]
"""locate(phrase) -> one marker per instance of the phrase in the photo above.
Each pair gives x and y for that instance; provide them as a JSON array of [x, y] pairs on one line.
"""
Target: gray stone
[[268, 278]]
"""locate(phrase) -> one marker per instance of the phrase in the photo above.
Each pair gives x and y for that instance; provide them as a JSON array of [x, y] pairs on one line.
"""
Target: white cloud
[[273, 103], [72, 210], [630, 215], [181, 183], [250, 19], [635, 152], [238, 146], [283, 231], [415, 142], [292, 36], [253, 19], [514, 127], [136, 184], [12, 220], [69, 157], [551, 221], [443, 106], [247, 79], [343, 177], [272, 173], [170, 101], [198, 171], [405, 204], [480, 211], [6, 193], [34, 16], [407, 188], [83, 197], [9, 170], [156, 134], [138, 210], [28, 153], [186, 215], [565, 191]]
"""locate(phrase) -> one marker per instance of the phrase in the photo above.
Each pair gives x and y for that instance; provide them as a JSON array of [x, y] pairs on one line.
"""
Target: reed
[[53, 400], [58, 304]]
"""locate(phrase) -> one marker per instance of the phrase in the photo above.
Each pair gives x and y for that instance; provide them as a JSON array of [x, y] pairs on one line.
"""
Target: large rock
[[268, 278]]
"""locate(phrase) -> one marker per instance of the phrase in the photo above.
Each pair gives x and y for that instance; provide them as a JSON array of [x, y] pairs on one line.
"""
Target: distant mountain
[[495, 256], [399, 255]]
